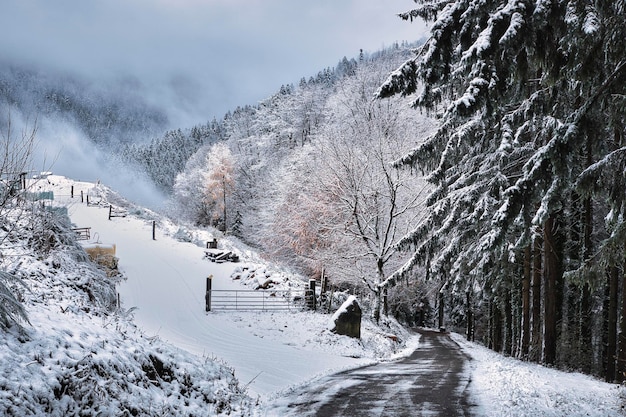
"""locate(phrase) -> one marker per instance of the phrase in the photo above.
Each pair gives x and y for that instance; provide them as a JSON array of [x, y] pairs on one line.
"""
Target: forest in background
[[107, 113]]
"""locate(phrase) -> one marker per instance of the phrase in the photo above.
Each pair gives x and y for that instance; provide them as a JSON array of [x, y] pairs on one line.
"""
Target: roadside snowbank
[[503, 386]]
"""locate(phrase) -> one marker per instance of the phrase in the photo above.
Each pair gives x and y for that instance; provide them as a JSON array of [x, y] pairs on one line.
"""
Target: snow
[[270, 353], [166, 281], [506, 386], [341, 310]]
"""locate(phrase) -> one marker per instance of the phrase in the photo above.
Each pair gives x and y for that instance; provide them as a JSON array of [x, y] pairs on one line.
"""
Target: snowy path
[[166, 282], [431, 382]]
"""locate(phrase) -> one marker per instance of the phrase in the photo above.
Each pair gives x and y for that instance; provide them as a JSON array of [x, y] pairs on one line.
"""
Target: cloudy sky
[[214, 54]]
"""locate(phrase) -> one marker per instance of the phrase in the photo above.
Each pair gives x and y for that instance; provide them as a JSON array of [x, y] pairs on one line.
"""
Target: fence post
[[310, 295], [207, 296], [153, 229], [110, 210], [72, 192], [81, 196]]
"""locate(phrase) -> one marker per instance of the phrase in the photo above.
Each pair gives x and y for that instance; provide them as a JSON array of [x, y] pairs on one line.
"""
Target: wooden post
[[324, 283], [81, 196], [72, 192], [110, 210], [310, 295], [153, 229], [87, 199], [207, 296]]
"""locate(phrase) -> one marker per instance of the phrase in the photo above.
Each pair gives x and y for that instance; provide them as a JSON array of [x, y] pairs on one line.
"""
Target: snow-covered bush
[[11, 309]]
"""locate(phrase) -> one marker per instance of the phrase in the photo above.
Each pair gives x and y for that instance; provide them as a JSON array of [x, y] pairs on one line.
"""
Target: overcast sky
[[216, 54]]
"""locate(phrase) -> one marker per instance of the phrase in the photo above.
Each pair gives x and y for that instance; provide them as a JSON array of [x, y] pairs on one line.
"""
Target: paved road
[[431, 382]]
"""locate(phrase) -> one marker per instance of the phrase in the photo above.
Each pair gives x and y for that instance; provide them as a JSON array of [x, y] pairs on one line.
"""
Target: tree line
[[107, 112], [525, 225]]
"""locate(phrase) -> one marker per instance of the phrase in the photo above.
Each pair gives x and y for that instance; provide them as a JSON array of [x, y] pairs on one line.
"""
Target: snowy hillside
[[77, 356], [166, 285]]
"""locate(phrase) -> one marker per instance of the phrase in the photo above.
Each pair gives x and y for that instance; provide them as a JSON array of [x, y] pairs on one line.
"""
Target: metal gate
[[262, 300]]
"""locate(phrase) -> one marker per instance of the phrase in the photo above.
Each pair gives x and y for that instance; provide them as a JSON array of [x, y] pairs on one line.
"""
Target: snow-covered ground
[[273, 352], [502, 386], [166, 281]]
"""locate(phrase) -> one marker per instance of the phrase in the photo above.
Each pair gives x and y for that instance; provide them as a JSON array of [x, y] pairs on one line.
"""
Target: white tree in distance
[[219, 183]]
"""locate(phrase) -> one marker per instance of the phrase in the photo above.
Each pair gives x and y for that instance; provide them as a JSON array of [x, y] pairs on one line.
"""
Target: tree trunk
[[224, 191], [377, 305], [552, 282], [536, 340], [378, 289], [508, 328], [621, 355], [496, 328], [586, 313], [525, 338], [469, 316], [440, 310], [611, 345]]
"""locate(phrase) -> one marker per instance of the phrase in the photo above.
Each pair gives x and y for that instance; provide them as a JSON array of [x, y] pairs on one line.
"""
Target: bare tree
[[377, 203], [219, 183]]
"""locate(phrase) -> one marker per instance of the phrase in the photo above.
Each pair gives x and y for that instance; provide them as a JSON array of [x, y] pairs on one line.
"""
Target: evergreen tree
[[519, 86]]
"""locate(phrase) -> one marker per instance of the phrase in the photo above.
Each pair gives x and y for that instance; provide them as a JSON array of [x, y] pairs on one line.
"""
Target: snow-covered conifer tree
[[519, 87]]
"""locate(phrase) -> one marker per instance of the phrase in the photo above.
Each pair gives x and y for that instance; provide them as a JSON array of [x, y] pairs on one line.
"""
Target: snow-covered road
[[166, 283], [431, 382]]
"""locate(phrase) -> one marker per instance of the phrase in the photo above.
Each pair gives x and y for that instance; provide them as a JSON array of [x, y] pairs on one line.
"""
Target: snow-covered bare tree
[[219, 184], [377, 203], [189, 187]]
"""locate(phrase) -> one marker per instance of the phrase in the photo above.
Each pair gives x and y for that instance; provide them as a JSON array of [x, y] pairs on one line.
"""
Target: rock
[[347, 319]]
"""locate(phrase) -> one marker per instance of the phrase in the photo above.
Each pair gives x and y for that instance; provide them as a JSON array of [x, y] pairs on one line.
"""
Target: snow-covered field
[[269, 352], [166, 281]]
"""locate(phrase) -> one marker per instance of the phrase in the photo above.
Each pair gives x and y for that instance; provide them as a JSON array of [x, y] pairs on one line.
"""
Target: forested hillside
[[107, 112], [305, 176]]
